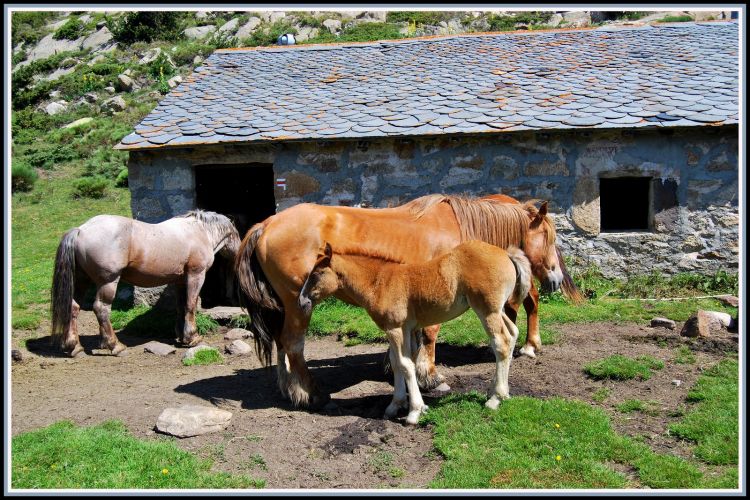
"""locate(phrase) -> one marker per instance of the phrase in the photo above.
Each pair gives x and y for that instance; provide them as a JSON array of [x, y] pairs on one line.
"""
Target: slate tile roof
[[682, 74]]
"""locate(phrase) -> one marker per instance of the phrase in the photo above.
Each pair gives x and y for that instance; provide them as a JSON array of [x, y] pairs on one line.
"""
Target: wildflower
[[558, 458], [165, 471], [557, 426]]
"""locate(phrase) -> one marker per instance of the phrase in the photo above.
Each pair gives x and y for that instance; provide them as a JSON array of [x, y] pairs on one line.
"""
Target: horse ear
[[328, 250], [543, 209]]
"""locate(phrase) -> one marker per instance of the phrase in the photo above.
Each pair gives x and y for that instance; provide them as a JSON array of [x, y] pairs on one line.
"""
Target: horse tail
[[63, 283], [523, 274], [257, 296], [568, 287]]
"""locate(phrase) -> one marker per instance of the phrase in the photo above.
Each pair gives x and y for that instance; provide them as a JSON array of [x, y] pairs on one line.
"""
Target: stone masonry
[[694, 167]]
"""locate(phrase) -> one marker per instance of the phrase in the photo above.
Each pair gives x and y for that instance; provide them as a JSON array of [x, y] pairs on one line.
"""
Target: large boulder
[[97, 39], [248, 28], [48, 46], [577, 19], [192, 420], [705, 323], [56, 107], [79, 122], [125, 83], [199, 32], [230, 26], [114, 104], [332, 25]]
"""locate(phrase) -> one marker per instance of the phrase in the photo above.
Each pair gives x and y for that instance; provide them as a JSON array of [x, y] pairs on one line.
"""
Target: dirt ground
[[350, 446]]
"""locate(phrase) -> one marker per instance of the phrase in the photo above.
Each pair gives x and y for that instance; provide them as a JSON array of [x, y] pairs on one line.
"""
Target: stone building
[[630, 133]]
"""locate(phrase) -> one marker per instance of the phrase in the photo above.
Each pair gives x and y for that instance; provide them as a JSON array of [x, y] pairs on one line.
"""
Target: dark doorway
[[625, 203], [244, 193]]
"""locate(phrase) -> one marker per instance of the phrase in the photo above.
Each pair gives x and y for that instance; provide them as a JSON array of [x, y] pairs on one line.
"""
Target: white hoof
[[492, 403], [413, 417], [528, 351], [442, 388]]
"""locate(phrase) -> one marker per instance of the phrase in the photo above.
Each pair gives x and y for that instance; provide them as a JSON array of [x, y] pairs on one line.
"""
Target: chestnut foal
[[403, 297]]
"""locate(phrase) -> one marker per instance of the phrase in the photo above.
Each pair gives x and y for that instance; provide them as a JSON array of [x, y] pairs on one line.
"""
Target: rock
[[110, 90], [272, 17], [116, 103], [150, 56], [48, 46], [54, 94], [97, 39], [198, 32], [190, 353], [79, 122], [704, 323], [555, 20], [192, 420], [729, 300], [197, 60], [57, 74], [16, 355], [223, 314], [101, 24], [96, 59], [306, 33], [248, 28], [238, 348], [174, 81], [159, 348], [230, 26], [125, 83], [237, 334], [202, 15], [374, 16], [128, 72], [56, 107], [676, 383], [577, 19], [91, 97], [332, 25], [663, 323], [68, 62]]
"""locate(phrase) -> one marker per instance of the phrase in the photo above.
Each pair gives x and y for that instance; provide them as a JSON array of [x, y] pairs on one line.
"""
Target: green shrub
[[71, 30], [23, 176], [161, 67], [367, 32], [47, 156], [631, 15], [90, 187], [431, 18], [676, 19], [106, 162], [505, 22], [147, 26], [122, 178], [185, 53], [18, 57], [28, 27], [222, 40]]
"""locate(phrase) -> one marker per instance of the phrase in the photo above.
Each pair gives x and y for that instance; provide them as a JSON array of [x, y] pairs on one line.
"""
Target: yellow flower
[[557, 426], [558, 458], [165, 471]]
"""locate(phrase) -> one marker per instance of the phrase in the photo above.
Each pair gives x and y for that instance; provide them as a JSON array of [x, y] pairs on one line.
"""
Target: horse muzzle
[[305, 304], [553, 282]]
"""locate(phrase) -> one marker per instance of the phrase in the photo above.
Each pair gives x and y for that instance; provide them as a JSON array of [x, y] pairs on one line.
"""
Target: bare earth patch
[[343, 447]]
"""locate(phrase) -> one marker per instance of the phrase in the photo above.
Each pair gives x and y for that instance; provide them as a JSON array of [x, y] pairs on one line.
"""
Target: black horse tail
[[257, 296], [63, 283], [568, 287]]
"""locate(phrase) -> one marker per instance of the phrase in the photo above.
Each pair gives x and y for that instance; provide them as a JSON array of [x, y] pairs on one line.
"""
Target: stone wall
[[694, 212]]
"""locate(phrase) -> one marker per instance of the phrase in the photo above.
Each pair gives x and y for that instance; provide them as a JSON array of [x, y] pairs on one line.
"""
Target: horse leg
[[399, 388], [190, 336], [533, 340], [181, 300], [403, 363], [71, 342], [427, 373], [295, 379], [105, 294], [502, 333]]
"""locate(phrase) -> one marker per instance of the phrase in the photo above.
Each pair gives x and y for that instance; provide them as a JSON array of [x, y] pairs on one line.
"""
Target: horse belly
[[151, 279], [428, 314]]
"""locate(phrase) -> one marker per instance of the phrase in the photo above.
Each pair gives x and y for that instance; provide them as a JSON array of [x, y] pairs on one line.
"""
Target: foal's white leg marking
[[503, 334], [401, 348], [399, 388], [528, 350]]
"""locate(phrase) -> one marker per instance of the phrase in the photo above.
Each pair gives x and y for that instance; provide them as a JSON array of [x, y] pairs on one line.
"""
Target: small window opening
[[625, 203]]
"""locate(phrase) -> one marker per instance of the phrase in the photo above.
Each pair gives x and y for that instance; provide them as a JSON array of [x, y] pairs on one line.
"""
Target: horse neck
[[359, 276]]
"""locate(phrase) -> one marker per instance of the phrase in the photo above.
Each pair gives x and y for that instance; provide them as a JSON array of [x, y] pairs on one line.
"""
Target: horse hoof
[[319, 401], [492, 403], [413, 417], [527, 351], [77, 350], [194, 341], [442, 388], [119, 349]]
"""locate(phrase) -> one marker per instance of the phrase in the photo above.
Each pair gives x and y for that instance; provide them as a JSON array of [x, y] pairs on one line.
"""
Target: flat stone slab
[[237, 334], [223, 313], [159, 348], [238, 347], [192, 420], [730, 300], [663, 323]]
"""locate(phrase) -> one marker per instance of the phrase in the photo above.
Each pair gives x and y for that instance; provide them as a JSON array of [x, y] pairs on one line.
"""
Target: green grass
[[382, 462], [618, 367], [519, 446], [63, 456], [633, 405], [684, 356], [712, 422], [204, 357], [601, 394], [676, 19]]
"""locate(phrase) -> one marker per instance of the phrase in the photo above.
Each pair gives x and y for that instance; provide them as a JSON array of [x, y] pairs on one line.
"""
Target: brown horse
[[403, 297], [277, 254], [109, 247]]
